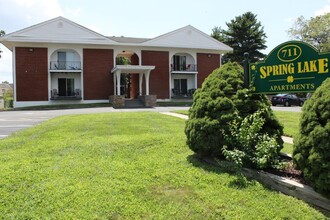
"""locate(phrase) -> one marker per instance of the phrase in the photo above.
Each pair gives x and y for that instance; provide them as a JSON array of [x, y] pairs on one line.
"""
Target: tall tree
[[1, 34], [217, 33], [244, 34], [315, 31]]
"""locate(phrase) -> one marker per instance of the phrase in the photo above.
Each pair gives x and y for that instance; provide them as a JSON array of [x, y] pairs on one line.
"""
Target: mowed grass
[[287, 148], [124, 166], [290, 122]]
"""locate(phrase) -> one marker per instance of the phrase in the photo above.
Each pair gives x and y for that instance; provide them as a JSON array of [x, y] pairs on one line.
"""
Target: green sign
[[293, 66]]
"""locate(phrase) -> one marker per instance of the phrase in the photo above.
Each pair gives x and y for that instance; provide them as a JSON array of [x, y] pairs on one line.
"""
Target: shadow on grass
[[219, 167]]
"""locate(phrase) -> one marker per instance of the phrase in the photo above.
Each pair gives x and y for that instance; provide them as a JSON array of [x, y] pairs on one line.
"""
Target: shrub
[[8, 99], [312, 146], [221, 101], [252, 147]]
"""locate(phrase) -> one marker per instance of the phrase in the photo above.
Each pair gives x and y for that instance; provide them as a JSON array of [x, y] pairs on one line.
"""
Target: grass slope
[[126, 166]]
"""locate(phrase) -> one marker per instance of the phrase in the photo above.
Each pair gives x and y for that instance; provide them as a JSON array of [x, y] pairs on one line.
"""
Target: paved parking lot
[[12, 121]]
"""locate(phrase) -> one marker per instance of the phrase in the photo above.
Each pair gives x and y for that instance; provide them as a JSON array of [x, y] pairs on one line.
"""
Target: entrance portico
[[130, 69]]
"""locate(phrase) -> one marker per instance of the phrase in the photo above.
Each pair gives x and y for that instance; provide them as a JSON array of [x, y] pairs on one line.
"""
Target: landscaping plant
[[311, 151], [222, 101]]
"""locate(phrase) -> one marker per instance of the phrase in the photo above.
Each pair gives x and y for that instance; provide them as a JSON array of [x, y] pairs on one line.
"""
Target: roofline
[[50, 21], [10, 43], [199, 31]]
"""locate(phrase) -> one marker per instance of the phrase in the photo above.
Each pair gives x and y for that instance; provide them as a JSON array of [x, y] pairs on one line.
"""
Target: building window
[[66, 87], [180, 87], [179, 63], [65, 60]]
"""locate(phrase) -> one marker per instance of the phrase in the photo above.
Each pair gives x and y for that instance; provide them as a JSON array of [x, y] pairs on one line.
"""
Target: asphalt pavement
[[12, 121]]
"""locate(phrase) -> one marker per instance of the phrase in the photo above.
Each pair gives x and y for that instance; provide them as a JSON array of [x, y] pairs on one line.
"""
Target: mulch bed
[[290, 172]]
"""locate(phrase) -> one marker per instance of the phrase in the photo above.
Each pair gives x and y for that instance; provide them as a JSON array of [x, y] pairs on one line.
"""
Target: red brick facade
[[206, 63], [98, 81], [159, 77], [31, 74]]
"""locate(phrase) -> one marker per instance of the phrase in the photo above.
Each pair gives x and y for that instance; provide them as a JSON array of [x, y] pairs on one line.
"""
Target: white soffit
[[132, 68], [58, 30], [188, 37]]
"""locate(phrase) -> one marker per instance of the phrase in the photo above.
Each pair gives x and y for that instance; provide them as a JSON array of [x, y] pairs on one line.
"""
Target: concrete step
[[134, 103]]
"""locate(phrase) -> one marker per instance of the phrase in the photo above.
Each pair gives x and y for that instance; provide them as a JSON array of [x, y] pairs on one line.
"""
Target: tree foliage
[[315, 31], [220, 102], [244, 34], [217, 33], [312, 147]]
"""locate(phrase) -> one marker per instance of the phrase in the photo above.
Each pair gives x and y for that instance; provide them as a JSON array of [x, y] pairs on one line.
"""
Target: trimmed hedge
[[311, 151], [221, 101]]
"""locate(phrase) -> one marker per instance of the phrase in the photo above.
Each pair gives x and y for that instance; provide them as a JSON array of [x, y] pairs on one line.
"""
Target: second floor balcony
[[184, 68], [65, 65]]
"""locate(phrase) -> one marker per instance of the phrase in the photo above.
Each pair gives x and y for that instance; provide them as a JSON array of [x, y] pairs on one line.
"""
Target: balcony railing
[[65, 65], [184, 68], [177, 93], [74, 95]]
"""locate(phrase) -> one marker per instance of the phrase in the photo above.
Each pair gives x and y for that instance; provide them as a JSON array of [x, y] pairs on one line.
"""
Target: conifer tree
[[244, 34]]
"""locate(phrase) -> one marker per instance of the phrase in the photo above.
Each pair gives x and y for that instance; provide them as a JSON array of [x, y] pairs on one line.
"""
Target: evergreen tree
[[217, 33], [244, 34]]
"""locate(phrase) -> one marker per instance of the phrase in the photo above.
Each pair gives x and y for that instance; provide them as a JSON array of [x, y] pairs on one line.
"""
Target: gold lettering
[[269, 70], [263, 72], [299, 67], [275, 70], [306, 67], [312, 66], [323, 65], [291, 68]]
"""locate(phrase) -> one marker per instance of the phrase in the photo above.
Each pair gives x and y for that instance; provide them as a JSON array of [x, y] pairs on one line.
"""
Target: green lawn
[[287, 148], [124, 166], [290, 121]]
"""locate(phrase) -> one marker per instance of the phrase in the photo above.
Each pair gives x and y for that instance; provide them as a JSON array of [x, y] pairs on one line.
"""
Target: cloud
[[23, 13], [324, 10], [18, 14], [76, 12]]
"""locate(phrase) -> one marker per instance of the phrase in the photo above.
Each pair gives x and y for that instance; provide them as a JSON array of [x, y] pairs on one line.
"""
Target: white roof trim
[[180, 39], [62, 30], [57, 30], [132, 68]]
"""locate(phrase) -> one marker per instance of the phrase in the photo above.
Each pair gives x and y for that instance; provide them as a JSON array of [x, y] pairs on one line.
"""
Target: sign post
[[293, 66], [246, 70]]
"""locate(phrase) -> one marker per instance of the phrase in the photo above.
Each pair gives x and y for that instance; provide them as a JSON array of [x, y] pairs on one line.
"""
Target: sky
[[151, 18]]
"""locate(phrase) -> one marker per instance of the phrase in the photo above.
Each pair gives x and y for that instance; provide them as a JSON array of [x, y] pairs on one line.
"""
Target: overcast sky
[[151, 18]]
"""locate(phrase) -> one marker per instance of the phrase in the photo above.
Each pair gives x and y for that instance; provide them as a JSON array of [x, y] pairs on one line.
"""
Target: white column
[[114, 83], [118, 73], [195, 81], [140, 83], [147, 74]]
